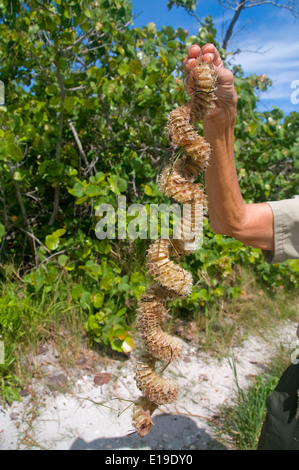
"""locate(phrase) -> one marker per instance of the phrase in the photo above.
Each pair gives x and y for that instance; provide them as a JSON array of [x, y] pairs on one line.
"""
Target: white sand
[[66, 421]]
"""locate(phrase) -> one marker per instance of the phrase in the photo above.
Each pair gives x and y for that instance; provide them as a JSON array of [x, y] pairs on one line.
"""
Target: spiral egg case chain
[[170, 280]]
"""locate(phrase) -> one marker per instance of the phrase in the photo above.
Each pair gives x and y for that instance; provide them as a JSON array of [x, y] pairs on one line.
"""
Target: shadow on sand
[[171, 432]]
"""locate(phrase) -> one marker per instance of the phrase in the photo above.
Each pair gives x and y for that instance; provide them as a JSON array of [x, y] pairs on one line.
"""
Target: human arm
[[229, 215]]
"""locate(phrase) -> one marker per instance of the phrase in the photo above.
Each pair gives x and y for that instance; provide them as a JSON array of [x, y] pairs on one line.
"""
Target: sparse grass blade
[[242, 419]]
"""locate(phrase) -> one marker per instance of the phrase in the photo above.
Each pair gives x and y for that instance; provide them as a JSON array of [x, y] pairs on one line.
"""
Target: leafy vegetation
[[87, 97], [242, 420], [26, 322]]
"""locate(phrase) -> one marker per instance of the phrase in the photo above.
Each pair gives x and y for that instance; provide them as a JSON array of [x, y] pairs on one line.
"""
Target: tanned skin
[[252, 224]]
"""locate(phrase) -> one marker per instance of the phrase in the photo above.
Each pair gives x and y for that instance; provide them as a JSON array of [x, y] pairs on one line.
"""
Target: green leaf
[[150, 190], [135, 67], [153, 78], [164, 58], [77, 291], [182, 34], [114, 345], [203, 293], [128, 345], [81, 200], [121, 312], [147, 190], [2, 231], [90, 104], [104, 247], [88, 13], [172, 62], [107, 280], [110, 87], [137, 278], [35, 279], [59, 233], [78, 190], [62, 260], [14, 152], [69, 103], [123, 285], [123, 69], [86, 300], [52, 242], [122, 185], [92, 190], [117, 184], [17, 176], [98, 299]]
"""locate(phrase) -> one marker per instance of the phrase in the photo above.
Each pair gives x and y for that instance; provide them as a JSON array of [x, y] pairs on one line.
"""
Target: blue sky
[[273, 32]]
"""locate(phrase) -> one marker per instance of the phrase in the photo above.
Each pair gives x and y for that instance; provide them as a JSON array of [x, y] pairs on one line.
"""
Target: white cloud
[[278, 58], [270, 30]]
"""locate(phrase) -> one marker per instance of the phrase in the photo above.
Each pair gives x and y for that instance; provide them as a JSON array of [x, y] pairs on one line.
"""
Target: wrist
[[221, 116], [219, 128]]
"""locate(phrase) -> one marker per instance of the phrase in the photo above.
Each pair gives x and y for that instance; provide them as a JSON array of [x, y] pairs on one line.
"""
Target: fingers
[[188, 64], [211, 54], [226, 93], [193, 52], [208, 52]]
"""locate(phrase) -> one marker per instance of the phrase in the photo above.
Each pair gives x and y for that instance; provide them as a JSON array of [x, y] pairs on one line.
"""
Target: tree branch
[[79, 144], [238, 5], [197, 18], [229, 30], [23, 213], [289, 7], [59, 141], [30, 234]]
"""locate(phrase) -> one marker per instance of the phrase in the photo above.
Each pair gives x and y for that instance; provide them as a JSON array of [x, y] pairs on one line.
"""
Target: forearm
[[229, 215], [250, 223], [225, 202]]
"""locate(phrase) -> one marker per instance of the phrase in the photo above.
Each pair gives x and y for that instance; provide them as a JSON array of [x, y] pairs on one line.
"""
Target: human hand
[[226, 102]]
